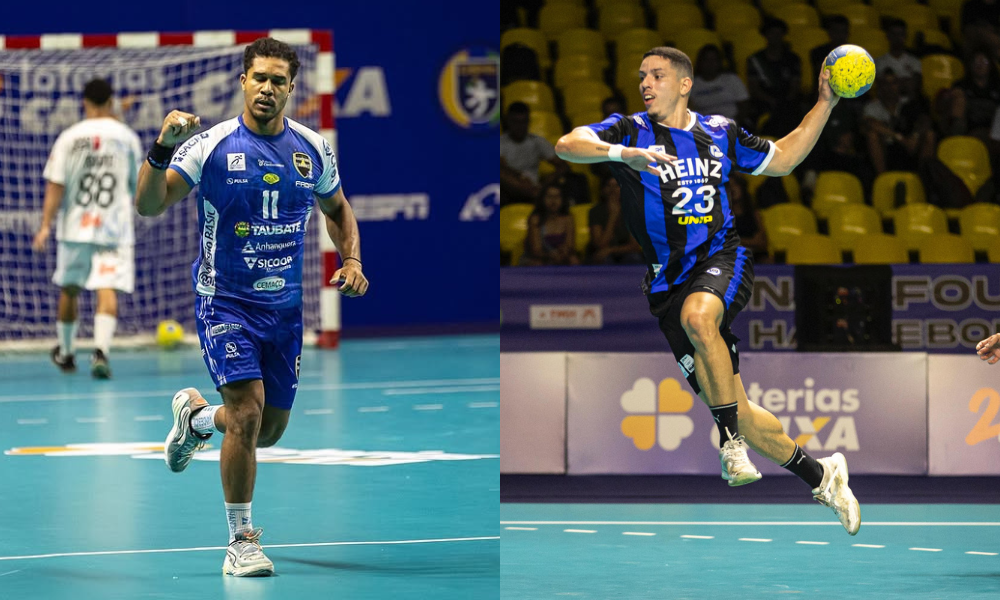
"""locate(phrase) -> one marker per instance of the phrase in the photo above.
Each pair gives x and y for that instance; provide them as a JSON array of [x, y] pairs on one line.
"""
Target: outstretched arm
[[583, 146], [159, 188], [792, 149], [342, 228]]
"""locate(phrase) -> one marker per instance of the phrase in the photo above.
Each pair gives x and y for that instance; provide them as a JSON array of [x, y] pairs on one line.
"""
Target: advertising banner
[[632, 413], [533, 413], [963, 406]]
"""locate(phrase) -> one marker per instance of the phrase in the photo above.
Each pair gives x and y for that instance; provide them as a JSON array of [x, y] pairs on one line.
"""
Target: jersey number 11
[[271, 202]]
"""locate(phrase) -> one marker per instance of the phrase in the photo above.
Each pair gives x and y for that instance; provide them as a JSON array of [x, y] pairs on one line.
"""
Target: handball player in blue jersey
[[673, 166], [259, 175]]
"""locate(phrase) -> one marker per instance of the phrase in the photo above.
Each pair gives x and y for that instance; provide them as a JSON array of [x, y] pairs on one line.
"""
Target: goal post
[[41, 85]]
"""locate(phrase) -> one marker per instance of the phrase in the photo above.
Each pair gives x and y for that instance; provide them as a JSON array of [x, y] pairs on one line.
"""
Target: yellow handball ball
[[852, 70], [169, 333]]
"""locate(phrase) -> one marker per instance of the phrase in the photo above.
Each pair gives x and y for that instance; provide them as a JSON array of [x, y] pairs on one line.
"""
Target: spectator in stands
[[612, 105], [903, 63], [610, 241], [773, 77], [838, 27], [981, 25], [520, 154], [900, 132], [974, 99], [749, 221], [715, 92], [551, 236]]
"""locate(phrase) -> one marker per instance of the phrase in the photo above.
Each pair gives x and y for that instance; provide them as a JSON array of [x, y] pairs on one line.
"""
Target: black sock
[[806, 467], [726, 417]]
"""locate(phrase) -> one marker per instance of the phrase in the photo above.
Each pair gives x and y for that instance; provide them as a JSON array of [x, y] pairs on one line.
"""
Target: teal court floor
[[717, 551], [385, 484]]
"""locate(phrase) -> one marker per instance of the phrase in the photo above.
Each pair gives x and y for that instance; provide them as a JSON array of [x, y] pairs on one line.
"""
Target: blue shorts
[[241, 341]]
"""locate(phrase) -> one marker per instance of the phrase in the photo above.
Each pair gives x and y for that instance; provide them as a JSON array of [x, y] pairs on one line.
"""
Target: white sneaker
[[245, 557], [182, 441], [736, 466], [833, 492]]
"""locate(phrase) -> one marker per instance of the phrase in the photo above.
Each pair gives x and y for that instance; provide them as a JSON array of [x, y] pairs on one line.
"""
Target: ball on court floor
[[852, 70], [169, 333]]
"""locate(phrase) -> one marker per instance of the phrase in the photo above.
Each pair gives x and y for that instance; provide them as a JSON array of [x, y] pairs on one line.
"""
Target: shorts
[[94, 267], [728, 275], [241, 341]]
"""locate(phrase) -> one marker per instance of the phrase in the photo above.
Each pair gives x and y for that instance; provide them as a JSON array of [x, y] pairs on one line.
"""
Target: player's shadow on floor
[[469, 566]]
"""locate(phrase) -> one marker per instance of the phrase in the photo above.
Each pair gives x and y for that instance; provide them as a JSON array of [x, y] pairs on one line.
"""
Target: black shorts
[[728, 275]]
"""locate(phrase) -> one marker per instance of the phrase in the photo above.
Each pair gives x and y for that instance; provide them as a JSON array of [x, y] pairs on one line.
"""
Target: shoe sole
[[265, 570], [842, 470], [101, 372], [744, 480], [181, 412]]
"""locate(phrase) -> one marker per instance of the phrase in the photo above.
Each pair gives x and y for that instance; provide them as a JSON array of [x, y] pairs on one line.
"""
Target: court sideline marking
[[769, 523], [268, 546]]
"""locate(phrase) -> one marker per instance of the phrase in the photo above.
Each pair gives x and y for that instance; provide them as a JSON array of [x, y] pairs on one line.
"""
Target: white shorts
[[94, 267]]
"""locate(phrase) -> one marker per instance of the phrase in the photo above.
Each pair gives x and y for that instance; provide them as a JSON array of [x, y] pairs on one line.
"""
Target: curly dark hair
[[271, 48]]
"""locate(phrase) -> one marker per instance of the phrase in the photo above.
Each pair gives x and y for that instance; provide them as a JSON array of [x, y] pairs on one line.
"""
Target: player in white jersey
[[259, 177], [90, 180]]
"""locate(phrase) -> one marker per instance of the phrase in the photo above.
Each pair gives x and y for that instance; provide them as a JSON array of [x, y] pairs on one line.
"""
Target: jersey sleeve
[[190, 159], [329, 179], [749, 153], [55, 167], [612, 130]]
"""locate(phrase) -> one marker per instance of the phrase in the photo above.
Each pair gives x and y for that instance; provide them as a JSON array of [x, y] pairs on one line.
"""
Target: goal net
[[40, 96]]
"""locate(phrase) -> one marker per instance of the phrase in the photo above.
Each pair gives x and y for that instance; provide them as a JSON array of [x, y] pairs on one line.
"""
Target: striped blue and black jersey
[[682, 216]]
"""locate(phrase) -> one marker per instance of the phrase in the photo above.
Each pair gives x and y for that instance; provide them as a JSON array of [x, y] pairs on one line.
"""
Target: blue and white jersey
[[254, 203]]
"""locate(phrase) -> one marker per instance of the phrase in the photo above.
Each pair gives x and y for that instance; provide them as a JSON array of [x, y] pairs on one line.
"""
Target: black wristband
[[347, 258], [159, 156]]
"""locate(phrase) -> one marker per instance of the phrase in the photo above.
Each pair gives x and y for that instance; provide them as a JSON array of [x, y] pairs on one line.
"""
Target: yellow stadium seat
[[581, 218], [951, 10], [535, 94], [933, 37], [980, 224], [804, 39], [580, 96], [835, 188], [968, 158], [789, 182], [546, 124], [914, 221], [557, 17], [576, 67], [769, 6], [657, 5], [860, 15], [514, 228], [637, 41], [851, 221], [675, 18], [616, 17], [835, 7], [813, 249], [797, 15], [587, 117], [884, 190], [786, 221], [613, 3], [945, 248], [734, 19], [691, 41], [879, 249], [627, 81], [582, 42], [993, 252], [885, 6], [917, 17], [532, 38], [939, 72], [745, 44], [871, 39]]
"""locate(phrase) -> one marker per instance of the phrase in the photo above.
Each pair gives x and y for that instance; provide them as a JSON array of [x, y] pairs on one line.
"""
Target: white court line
[[483, 404], [579, 531], [318, 411], [10, 572], [699, 537], [868, 545], [983, 553], [637, 533], [302, 387], [522, 528], [370, 409], [32, 421], [428, 406], [814, 543], [768, 523], [269, 546], [149, 418], [926, 549], [755, 540], [91, 419], [442, 390]]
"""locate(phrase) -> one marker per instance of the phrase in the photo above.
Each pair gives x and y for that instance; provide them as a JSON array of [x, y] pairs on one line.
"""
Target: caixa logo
[[269, 284], [833, 430], [656, 414]]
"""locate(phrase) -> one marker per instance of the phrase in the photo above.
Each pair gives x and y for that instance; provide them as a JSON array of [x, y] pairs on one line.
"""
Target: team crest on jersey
[[242, 229], [303, 164], [271, 178], [714, 151]]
